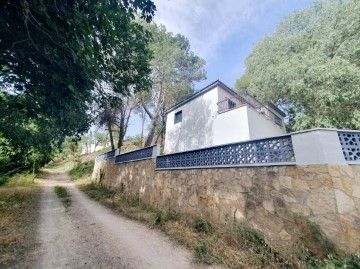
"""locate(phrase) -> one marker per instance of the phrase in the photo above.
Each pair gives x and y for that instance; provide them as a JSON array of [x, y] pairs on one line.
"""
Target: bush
[[201, 252], [202, 226], [3, 179], [81, 169]]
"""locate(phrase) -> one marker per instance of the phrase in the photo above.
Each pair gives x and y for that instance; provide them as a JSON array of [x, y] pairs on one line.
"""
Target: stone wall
[[270, 198]]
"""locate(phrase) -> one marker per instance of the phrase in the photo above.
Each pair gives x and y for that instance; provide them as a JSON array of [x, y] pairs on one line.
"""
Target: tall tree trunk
[[142, 127], [111, 136], [151, 133]]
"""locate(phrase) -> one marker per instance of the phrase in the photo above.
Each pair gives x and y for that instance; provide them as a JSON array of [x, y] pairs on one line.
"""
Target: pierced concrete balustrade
[[137, 155]]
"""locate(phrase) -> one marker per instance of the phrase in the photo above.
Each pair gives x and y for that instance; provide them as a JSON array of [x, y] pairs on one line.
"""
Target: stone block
[[337, 183], [334, 170], [300, 209], [351, 228], [344, 202], [346, 170], [269, 206], [284, 235], [322, 201], [347, 184], [285, 182], [356, 191], [299, 185]]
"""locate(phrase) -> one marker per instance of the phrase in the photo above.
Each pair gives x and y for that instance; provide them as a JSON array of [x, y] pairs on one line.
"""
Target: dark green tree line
[[51, 55], [311, 66]]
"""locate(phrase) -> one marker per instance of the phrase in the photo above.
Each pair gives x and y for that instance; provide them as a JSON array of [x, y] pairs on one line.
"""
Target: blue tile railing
[[350, 144], [261, 151], [105, 155], [140, 154]]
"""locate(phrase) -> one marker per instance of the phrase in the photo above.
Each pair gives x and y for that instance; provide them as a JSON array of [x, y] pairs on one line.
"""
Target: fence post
[[318, 146], [156, 151]]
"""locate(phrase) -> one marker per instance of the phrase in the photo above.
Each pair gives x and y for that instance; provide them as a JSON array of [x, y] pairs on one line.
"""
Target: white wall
[[195, 130], [231, 126], [260, 126], [202, 126]]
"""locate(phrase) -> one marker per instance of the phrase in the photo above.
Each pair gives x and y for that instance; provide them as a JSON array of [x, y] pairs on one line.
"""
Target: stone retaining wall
[[270, 198]]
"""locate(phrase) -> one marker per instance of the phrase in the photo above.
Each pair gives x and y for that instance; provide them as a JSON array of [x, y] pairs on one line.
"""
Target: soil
[[88, 235]]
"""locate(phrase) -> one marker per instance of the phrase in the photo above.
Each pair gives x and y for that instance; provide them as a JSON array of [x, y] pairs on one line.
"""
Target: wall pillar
[[318, 146]]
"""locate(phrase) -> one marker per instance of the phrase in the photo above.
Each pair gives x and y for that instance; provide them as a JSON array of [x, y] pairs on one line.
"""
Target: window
[[178, 117], [231, 104]]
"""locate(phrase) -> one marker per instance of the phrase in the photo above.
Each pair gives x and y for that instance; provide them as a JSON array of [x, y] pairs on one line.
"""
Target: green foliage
[[311, 66], [81, 169], [202, 225], [3, 179], [318, 235], [201, 252], [333, 261], [16, 198], [163, 217], [63, 194], [174, 70], [97, 192], [51, 55]]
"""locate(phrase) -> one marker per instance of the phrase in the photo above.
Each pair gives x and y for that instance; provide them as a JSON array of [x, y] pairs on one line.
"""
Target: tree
[[174, 68], [51, 55], [311, 66], [112, 111]]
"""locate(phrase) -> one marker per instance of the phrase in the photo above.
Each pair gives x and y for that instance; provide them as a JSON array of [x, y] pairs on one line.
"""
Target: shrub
[[81, 169], [202, 225]]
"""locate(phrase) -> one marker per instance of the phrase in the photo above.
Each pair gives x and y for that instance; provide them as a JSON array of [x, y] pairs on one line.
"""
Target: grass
[[63, 194], [239, 246], [19, 199], [81, 169]]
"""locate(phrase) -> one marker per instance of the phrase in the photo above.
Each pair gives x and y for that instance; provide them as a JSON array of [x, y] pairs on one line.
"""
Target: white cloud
[[209, 23]]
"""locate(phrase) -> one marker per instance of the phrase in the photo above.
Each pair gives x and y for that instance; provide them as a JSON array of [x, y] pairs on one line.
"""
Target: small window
[[178, 117], [231, 104]]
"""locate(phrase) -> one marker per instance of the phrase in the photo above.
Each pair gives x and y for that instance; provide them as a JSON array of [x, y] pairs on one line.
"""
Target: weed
[[14, 199], [81, 169], [334, 261], [18, 214], [159, 217], [239, 246], [202, 225], [201, 252], [313, 238], [97, 192], [63, 194]]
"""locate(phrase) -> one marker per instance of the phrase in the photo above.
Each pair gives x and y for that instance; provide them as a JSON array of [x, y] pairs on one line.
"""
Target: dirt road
[[88, 235]]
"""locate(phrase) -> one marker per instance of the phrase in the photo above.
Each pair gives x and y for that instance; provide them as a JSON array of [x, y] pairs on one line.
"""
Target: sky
[[221, 32]]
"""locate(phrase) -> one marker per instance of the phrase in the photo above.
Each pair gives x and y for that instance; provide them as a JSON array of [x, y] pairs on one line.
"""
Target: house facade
[[217, 115]]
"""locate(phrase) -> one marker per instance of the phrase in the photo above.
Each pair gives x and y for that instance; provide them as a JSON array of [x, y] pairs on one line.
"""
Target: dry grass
[[236, 247], [18, 202]]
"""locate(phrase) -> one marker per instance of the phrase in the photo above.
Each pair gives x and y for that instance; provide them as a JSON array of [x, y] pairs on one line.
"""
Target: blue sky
[[222, 32]]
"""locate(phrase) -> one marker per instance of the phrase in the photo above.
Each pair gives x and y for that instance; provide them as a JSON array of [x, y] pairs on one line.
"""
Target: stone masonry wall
[[269, 197]]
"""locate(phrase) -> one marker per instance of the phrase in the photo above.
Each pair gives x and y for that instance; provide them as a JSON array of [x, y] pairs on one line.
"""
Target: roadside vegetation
[[238, 246], [19, 199], [80, 169], [63, 195]]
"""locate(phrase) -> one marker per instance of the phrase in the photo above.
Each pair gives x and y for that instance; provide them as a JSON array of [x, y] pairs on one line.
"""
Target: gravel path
[[88, 235]]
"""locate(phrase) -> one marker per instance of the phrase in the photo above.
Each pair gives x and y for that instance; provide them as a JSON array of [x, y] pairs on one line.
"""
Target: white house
[[217, 115]]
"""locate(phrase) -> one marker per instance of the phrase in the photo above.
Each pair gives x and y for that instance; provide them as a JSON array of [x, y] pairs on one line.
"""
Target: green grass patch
[[97, 192], [20, 180], [81, 169], [63, 194]]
